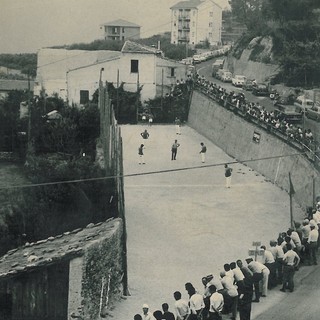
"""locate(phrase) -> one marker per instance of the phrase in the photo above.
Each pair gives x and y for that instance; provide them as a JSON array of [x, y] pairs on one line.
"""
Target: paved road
[[184, 225]]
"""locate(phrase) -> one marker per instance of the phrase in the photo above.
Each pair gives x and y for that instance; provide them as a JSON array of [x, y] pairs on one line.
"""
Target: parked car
[[313, 113], [238, 80], [248, 85], [226, 76], [287, 110], [197, 58], [260, 89], [217, 65], [304, 103]]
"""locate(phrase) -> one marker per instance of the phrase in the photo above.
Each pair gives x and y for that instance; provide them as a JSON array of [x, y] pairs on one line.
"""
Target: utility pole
[[29, 117], [162, 90], [137, 115], [118, 95]]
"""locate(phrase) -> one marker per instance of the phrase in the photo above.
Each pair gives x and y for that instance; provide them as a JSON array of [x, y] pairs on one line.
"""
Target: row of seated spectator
[[272, 121], [239, 284]]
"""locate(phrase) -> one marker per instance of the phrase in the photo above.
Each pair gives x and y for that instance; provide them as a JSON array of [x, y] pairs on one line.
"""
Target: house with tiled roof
[[196, 22], [74, 275], [75, 74], [120, 30], [10, 85]]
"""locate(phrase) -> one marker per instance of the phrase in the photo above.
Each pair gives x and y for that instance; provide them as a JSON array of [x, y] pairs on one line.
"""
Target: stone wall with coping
[[95, 279]]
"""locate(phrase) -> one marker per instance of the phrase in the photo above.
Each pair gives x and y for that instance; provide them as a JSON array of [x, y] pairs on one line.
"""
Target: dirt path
[[186, 224]]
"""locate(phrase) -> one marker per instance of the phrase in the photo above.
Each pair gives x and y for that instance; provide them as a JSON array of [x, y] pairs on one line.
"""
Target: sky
[[29, 25]]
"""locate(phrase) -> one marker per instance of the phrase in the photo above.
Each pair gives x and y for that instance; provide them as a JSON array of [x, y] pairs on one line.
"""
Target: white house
[[196, 21], [75, 74]]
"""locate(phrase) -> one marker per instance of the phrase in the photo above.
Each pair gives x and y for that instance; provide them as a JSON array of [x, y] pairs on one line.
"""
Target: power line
[[148, 173]]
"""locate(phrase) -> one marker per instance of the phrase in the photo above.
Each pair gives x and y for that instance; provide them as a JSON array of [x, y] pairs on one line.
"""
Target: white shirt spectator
[[268, 257], [313, 235], [216, 302], [182, 309], [238, 275], [256, 267], [305, 231], [291, 258], [231, 289], [196, 302], [277, 252]]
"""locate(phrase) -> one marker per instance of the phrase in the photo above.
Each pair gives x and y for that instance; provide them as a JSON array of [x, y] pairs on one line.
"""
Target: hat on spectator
[[249, 259], [209, 277], [145, 306]]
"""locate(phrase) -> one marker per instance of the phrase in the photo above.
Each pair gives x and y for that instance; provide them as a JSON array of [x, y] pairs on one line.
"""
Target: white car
[[197, 58], [238, 80]]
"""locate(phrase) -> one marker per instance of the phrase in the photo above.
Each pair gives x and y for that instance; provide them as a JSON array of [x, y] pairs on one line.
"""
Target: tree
[[248, 12]]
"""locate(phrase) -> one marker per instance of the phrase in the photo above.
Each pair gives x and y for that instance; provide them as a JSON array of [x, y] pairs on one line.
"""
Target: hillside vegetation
[[285, 32]]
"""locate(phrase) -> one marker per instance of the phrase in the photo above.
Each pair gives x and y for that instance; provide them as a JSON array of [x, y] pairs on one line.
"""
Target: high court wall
[[246, 141]]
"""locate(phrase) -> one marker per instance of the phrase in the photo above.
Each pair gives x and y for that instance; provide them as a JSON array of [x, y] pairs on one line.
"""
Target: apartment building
[[195, 22], [120, 30]]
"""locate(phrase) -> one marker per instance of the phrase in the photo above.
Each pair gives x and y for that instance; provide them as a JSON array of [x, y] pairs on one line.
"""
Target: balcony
[[184, 27], [184, 17]]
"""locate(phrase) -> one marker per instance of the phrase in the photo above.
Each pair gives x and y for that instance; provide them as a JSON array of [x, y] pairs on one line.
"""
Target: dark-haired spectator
[[181, 306], [245, 299], [137, 317], [196, 303], [313, 242], [231, 301], [157, 314], [238, 275], [291, 261], [304, 240], [228, 271], [216, 303], [277, 252], [167, 315], [256, 269], [269, 262]]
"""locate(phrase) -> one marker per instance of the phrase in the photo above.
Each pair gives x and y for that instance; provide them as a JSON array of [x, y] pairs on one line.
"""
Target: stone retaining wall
[[234, 135]]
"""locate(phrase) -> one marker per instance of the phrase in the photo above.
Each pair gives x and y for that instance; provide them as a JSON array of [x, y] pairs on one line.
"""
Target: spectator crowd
[[239, 284], [273, 121]]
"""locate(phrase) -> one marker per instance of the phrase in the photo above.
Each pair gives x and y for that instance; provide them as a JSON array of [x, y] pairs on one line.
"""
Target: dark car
[[288, 111], [313, 113], [260, 89], [248, 85]]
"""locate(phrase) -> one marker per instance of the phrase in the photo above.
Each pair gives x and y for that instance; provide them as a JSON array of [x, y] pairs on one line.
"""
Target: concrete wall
[[251, 69], [234, 135]]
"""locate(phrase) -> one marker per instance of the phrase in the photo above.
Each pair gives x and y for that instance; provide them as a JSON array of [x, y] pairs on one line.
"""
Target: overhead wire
[[147, 173]]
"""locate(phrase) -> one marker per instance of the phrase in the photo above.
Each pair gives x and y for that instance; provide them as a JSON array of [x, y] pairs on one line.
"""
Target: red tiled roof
[[62, 247], [186, 4], [121, 23], [130, 46]]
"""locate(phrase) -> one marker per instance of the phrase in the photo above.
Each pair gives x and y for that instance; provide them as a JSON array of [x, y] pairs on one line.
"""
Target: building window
[[172, 72], [210, 24], [122, 30], [115, 30], [122, 37], [84, 96], [211, 14], [134, 66]]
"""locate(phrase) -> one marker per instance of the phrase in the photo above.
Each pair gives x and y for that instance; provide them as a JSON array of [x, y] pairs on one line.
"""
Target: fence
[[110, 137]]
